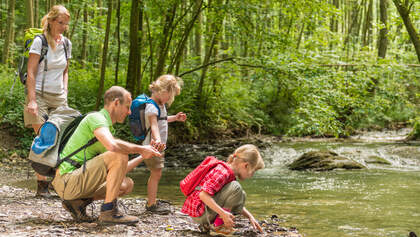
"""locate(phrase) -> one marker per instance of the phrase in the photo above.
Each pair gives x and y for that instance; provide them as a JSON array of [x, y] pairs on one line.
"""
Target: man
[[104, 174]]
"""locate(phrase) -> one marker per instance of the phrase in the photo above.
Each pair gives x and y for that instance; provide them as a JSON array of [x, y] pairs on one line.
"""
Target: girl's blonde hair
[[52, 15], [169, 83], [248, 153]]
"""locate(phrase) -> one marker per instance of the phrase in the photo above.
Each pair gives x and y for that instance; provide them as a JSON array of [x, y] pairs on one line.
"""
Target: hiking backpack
[[192, 180], [30, 35], [53, 136], [137, 116]]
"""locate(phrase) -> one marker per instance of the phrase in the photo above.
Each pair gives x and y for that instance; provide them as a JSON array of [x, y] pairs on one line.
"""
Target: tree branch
[[205, 65]]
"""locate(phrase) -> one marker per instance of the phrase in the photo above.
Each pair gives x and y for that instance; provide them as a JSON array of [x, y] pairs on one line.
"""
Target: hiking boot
[[158, 208], [42, 189], [222, 230], [77, 209], [114, 216]]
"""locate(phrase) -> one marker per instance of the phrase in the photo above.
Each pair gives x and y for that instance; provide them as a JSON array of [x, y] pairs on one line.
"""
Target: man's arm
[[105, 137]]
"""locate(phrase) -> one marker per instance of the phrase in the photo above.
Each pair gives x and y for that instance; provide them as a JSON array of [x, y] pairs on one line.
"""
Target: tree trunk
[[412, 32], [52, 3], [140, 43], [84, 35], [367, 27], [29, 7], [37, 21], [104, 54], [117, 33], [1, 18], [9, 33], [133, 58], [75, 24], [198, 35], [383, 33]]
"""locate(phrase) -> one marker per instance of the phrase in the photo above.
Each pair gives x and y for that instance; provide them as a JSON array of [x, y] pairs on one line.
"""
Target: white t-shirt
[[56, 64], [162, 124]]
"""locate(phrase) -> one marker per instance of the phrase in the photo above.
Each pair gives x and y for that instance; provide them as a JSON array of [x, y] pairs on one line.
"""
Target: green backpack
[[30, 35]]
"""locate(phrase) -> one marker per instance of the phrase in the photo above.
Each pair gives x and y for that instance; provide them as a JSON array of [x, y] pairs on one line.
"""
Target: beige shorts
[[79, 184], [46, 104], [155, 162]]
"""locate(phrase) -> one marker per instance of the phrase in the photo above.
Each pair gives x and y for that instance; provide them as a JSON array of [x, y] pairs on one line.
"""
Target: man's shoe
[[77, 209], [222, 230], [42, 189], [159, 208], [114, 216]]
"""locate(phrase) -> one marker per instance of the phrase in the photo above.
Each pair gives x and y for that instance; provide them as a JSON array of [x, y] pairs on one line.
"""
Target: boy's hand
[[158, 145], [228, 219], [181, 117]]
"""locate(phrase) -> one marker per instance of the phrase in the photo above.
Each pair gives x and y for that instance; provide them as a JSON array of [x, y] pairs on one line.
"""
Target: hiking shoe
[[115, 216], [77, 209], [158, 208], [222, 230], [42, 189]]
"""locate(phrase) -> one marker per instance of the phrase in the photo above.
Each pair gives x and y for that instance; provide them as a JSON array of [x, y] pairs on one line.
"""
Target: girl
[[164, 90], [213, 205], [47, 90]]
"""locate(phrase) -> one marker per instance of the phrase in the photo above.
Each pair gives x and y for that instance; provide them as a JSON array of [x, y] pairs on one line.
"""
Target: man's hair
[[115, 92]]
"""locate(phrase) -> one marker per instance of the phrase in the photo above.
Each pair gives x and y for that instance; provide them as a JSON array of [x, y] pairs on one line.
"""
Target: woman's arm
[[66, 78], [251, 218], [33, 62], [225, 215]]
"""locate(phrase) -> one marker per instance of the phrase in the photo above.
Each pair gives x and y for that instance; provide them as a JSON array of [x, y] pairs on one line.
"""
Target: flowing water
[[382, 200]]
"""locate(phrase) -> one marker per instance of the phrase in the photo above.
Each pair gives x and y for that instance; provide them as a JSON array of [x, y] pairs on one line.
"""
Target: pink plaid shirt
[[211, 183]]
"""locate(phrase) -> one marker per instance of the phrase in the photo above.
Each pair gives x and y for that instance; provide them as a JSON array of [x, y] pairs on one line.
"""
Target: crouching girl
[[219, 197]]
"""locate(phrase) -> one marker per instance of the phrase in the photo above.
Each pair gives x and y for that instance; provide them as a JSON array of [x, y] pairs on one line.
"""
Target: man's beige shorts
[[155, 162], [79, 184], [46, 104]]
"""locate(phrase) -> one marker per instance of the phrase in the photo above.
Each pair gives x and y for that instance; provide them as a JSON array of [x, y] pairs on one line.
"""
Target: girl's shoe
[[222, 230]]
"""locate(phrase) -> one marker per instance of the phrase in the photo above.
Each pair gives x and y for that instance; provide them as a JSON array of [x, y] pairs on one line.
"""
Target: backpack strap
[[66, 47], [73, 162], [44, 51]]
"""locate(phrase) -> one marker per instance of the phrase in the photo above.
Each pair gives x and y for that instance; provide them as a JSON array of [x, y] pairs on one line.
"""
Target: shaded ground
[[21, 214]]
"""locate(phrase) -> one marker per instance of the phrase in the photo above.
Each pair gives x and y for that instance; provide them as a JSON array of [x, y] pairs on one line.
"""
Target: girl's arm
[[181, 117], [225, 215], [251, 218]]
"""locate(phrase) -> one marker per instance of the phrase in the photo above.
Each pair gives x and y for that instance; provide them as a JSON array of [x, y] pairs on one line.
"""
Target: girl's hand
[[228, 219], [181, 117], [255, 224]]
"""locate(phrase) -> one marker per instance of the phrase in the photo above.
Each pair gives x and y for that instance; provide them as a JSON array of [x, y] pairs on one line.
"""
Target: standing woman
[[47, 86]]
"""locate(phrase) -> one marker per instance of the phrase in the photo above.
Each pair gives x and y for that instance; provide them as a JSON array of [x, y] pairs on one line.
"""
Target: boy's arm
[[251, 218], [154, 129], [181, 117], [225, 215]]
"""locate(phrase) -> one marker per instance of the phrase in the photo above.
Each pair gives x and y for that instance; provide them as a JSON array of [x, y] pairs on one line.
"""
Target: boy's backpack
[[192, 180], [30, 35], [137, 116], [53, 136]]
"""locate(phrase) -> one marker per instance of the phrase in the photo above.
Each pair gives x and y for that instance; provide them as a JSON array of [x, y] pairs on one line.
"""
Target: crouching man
[[104, 173]]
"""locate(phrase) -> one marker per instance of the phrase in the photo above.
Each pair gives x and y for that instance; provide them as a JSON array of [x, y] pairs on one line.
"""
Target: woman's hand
[[32, 107]]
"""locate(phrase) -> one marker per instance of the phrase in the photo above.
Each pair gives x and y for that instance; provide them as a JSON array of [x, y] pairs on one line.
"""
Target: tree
[[404, 9], [9, 32], [29, 5], [133, 59], [104, 54], [383, 33]]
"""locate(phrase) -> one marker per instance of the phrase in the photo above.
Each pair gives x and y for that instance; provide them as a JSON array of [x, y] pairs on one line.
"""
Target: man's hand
[[181, 117], [149, 151]]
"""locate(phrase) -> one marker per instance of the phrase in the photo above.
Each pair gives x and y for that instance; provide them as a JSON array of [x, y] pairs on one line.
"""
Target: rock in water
[[323, 161]]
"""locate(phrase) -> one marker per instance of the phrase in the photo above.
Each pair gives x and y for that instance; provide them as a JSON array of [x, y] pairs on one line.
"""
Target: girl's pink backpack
[[193, 179]]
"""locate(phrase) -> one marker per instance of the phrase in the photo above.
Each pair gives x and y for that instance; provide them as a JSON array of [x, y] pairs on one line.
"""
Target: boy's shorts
[[155, 162], [46, 104], [79, 184]]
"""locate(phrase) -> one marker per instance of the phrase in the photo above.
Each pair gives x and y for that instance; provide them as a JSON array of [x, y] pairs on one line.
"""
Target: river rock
[[377, 160], [323, 161]]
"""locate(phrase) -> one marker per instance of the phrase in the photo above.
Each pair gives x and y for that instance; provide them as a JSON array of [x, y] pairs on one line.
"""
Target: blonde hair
[[53, 14], [248, 153], [169, 83], [115, 92]]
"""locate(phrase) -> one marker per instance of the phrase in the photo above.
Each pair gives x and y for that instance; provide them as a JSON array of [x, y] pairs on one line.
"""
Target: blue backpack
[[137, 116]]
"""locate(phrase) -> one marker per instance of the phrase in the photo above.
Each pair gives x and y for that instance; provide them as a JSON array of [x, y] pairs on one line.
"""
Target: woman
[[47, 87]]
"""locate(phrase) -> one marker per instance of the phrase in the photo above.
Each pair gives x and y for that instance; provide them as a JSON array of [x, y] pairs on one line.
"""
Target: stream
[[381, 200]]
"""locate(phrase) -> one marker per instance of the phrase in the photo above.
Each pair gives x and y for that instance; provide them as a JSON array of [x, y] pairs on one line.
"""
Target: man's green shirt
[[83, 133]]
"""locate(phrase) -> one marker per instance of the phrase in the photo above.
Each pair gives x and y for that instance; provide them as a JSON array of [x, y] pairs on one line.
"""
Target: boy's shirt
[[162, 124], [212, 183]]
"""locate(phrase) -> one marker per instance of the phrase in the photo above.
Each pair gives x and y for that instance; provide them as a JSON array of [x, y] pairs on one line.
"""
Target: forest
[[294, 68]]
